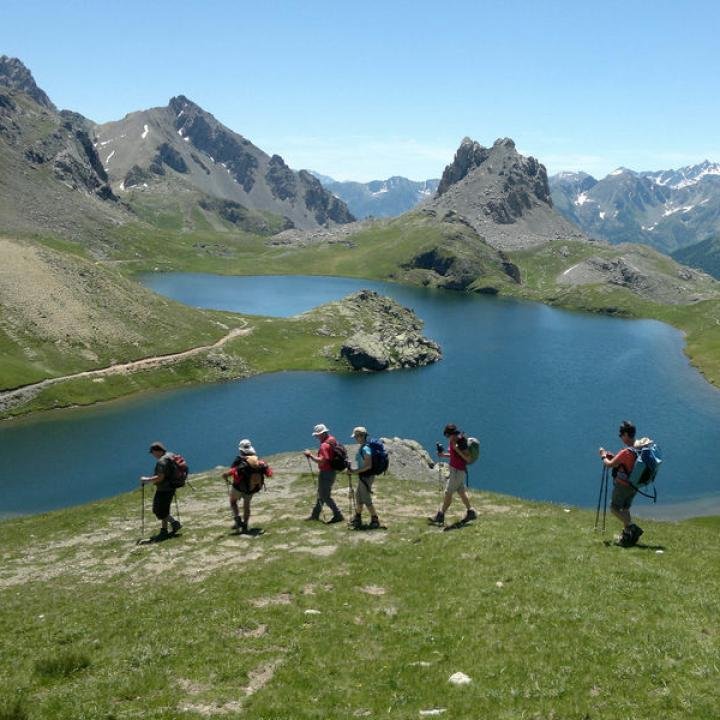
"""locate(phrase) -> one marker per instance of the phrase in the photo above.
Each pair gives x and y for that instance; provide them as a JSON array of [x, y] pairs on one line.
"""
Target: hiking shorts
[[363, 496], [456, 480], [238, 494], [161, 503], [622, 496]]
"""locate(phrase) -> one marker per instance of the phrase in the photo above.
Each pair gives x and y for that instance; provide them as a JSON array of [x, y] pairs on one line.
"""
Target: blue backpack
[[647, 463], [379, 456]]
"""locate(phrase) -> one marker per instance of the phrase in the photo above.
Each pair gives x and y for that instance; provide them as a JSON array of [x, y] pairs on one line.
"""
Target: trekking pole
[[351, 496], [317, 487], [142, 512], [606, 494], [597, 512]]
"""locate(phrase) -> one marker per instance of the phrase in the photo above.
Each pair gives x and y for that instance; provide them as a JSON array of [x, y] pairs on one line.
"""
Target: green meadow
[[544, 615]]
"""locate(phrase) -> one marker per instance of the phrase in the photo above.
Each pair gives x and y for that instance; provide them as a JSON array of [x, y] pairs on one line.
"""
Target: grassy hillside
[[546, 617], [64, 313]]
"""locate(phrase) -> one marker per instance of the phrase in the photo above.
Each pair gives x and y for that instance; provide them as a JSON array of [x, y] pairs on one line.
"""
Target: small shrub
[[14, 711]]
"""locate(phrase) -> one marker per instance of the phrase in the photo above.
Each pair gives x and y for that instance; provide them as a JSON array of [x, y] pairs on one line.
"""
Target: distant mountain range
[[668, 209], [380, 198]]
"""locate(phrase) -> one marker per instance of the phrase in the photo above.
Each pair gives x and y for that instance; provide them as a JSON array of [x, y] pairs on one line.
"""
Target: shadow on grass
[[639, 546]]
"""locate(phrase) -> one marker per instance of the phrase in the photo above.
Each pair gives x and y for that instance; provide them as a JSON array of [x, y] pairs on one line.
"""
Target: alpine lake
[[541, 388]]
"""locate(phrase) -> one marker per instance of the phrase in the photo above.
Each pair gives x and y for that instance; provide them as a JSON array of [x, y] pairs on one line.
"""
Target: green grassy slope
[[546, 617]]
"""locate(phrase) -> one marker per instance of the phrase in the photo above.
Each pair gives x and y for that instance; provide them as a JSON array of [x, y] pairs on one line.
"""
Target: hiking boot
[[439, 518], [470, 515], [374, 523], [335, 519], [175, 526], [238, 524], [636, 532], [356, 522], [625, 539], [162, 534]]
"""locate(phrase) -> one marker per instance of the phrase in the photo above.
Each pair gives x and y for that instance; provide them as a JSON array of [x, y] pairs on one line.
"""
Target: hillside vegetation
[[546, 617]]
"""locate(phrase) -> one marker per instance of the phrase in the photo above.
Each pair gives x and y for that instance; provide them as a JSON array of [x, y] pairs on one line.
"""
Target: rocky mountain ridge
[[668, 209], [183, 147]]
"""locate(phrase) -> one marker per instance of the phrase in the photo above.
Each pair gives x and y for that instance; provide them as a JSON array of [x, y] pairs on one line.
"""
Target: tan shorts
[[236, 494], [455, 481], [363, 496]]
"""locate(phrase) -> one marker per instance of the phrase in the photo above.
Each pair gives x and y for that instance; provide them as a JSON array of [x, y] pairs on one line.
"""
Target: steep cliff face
[[51, 176], [503, 195]]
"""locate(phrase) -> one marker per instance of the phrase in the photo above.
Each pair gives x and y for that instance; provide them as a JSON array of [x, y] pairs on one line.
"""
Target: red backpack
[[180, 471]]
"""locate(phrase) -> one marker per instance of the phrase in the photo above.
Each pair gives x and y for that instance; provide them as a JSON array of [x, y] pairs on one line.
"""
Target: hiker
[[623, 494], [244, 479], [164, 490], [326, 474], [364, 470], [459, 457]]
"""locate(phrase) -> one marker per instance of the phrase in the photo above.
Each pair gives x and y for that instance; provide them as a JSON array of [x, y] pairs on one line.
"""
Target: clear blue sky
[[371, 89]]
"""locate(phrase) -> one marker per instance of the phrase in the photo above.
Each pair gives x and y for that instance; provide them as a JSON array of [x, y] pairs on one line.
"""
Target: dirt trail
[[18, 396]]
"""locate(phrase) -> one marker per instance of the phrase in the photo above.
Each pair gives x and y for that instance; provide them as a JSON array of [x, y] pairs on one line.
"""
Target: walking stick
[[142, 513], [603, 491], [317, 487], [351, 496], [605, 501]]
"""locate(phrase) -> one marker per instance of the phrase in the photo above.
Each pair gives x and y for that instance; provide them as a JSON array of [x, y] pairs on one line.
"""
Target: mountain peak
[[14, 75]]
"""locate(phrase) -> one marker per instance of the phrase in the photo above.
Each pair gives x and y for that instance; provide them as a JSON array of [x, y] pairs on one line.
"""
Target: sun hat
[[246, 448], [359, 430], [319, 429]]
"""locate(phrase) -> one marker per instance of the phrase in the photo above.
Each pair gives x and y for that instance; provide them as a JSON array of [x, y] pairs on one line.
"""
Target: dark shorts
[[622, 496], [161, 503]]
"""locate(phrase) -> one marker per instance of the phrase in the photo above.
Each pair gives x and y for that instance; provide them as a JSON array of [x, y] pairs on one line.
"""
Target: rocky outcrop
[[74, 159], [14, 75], [325, 207], [388, 336], [502, 194]]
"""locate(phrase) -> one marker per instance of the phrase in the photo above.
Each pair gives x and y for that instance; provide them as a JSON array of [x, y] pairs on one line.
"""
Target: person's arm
[[367, 463], [154, 479], [608, 459], [315, 458]]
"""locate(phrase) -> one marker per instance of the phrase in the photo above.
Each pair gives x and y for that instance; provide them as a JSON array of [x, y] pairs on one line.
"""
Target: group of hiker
[[246, 476]]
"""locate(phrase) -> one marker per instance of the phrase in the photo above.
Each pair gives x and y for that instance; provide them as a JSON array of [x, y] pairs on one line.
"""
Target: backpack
[[648, 459], [339, 458], [180, 471], [470, 445], [248, 477], [379, 456]]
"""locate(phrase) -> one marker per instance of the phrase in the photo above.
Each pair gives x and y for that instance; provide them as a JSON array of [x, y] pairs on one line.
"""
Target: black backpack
[[339, 458]]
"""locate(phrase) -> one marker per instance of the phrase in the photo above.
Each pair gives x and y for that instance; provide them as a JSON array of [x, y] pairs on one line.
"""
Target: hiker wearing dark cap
[[244, 479], [363, 469], [164, 490], [326, 473], [622, 464], [459, 458]]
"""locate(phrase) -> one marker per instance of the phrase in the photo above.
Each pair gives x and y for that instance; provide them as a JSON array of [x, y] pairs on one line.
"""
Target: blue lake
[[542, 389]]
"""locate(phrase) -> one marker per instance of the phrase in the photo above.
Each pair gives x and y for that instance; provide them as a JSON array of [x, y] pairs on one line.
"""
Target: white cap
[[246, 448], [319, 429], [360, 430]]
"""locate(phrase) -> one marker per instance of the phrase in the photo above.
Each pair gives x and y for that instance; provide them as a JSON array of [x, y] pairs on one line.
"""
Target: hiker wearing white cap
[[364, 470], [329, 454], [244, 478]]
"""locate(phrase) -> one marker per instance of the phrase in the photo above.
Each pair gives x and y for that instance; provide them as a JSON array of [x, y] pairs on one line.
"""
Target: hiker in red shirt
[[624, 493], [326, 474], [459, 458]]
